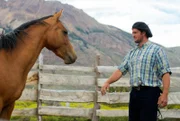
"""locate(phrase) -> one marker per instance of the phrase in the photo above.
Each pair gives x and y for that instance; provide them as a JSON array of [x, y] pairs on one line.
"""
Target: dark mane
[[8, 41]]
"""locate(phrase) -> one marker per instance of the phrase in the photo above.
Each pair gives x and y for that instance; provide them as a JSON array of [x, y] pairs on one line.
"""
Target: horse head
[[57, 39]]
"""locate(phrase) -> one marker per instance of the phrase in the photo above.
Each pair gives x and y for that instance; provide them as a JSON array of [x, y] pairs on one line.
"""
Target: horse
[[19, 51]]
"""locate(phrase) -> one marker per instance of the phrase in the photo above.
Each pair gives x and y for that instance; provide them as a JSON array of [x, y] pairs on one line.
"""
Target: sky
[[162, 16]]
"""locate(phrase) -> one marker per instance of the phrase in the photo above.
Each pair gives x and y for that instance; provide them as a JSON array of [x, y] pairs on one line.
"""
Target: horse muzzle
[[69, 59]]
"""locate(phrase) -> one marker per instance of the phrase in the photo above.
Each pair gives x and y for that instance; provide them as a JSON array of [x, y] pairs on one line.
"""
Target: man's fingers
[[107, 89], [159, 101], [162, 103], [103, 90]]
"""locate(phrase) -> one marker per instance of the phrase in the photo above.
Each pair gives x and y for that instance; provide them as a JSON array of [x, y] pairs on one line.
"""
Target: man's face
[[137, 35]]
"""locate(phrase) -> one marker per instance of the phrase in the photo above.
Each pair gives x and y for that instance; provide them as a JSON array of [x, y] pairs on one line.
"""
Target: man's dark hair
[[143, 27]]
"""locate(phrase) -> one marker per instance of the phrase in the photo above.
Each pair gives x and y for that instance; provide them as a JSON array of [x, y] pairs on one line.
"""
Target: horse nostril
[[70, 59]]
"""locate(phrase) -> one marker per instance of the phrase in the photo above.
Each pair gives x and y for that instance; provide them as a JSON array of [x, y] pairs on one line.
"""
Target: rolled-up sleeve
[[123, 67], [162, 63]]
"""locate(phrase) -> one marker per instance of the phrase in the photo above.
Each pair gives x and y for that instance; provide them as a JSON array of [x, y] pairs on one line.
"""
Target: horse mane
[[9, 41]]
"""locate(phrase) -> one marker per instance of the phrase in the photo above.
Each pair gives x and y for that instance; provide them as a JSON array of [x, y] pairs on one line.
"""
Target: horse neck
[[28, 50]]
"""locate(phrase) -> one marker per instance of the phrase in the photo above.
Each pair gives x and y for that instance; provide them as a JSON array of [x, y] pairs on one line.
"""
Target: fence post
[[96, 105], [39, 102]]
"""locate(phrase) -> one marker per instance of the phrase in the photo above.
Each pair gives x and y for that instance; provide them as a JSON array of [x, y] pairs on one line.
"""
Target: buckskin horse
[[20, 49]]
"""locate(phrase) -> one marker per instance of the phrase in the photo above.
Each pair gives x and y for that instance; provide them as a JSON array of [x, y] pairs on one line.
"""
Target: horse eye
[[65, 32]]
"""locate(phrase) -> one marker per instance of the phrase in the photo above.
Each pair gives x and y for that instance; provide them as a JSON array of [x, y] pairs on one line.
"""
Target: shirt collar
[[144, 45]]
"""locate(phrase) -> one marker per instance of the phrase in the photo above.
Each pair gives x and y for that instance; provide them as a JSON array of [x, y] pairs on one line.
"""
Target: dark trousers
[[143, 104]]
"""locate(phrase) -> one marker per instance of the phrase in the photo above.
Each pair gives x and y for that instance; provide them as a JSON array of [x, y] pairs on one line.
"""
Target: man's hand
[[163, 100], [114, 77], [104, 88]]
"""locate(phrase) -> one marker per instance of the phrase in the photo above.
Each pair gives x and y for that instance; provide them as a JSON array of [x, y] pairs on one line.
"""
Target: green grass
[[117, 106], [58, 118], [25, 104], [173, 106], [28, 104], [102, 105], [78, 105], [23, 118]]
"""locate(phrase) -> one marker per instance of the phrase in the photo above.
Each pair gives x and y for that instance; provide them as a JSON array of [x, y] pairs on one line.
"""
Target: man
[[148, 67]]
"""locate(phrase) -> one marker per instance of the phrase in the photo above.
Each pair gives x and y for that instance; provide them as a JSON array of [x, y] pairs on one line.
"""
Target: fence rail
[[51, 78]]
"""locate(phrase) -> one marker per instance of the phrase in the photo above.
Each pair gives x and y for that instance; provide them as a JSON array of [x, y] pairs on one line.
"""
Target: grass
[[28, 104], [78, 105], [58, 118], [173, 106], [25, 104]]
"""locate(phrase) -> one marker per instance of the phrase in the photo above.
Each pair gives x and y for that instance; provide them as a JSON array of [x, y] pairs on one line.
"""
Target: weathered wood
[[106, 69], [29, 95], [57, 79], [67, 68], [65, 111], [39, 102], [175, 70], [96, 105], [123, 82], [31, 73], [67, 95], [175, 82], [170, 113], [25, 112], [111, 98], [83, 95], [174, 98], [112, 113], [35, 66], [32, 78], [110, 69]]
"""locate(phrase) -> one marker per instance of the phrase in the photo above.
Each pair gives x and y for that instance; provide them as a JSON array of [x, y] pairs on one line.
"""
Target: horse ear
[[58, 14]]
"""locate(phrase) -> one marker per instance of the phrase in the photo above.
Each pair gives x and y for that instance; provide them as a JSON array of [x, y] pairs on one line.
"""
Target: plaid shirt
[[146, 65]]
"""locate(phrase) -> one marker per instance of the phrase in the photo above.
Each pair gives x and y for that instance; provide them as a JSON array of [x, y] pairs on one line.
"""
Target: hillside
[[87, 35]]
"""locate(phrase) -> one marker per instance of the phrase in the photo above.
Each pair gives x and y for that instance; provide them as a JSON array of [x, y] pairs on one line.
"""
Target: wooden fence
[[82, 85]]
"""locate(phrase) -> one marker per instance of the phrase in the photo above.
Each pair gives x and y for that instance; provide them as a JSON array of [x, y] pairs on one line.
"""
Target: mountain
[[173, 54], [88, 36]]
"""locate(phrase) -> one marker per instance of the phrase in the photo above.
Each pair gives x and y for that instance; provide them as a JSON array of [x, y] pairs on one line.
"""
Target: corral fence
[[81, 84]]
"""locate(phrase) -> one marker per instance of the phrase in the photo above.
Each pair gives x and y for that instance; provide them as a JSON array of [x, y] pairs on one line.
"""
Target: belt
[[138, 88]]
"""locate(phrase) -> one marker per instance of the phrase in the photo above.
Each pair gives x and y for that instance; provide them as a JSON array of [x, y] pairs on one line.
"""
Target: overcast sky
[[162, 16]]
